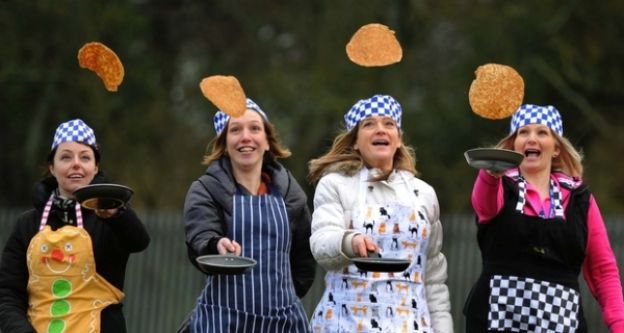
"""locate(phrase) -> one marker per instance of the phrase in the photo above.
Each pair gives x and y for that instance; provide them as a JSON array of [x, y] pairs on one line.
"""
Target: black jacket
[[208, 210], [113, 240]]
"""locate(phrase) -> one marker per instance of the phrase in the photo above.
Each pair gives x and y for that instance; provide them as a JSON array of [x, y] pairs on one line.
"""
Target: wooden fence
[[161, 284]]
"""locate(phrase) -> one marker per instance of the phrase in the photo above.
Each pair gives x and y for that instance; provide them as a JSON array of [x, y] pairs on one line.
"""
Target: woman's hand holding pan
[[227, 246]]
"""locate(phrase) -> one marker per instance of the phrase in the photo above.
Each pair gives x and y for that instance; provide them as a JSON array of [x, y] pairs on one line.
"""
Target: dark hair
[[50, 159]]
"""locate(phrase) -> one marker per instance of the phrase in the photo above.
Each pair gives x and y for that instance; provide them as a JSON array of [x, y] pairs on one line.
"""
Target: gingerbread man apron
[[66, 294]]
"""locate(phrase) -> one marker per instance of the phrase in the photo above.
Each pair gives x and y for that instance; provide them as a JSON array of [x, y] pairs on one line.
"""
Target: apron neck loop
[[48, 207], [364, 185], [556, 208]]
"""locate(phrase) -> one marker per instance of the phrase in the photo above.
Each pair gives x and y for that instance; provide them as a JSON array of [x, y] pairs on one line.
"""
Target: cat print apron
[[263, 299], [65, 293], [360, 301]]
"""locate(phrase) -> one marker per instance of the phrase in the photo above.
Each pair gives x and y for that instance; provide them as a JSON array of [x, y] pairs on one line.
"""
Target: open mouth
[[381, 142], [246, 149], [532, 153]]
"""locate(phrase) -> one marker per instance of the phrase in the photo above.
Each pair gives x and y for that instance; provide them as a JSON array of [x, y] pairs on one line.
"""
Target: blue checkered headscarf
[[378, 105], [529, 114], [221, 118], [76, 131]]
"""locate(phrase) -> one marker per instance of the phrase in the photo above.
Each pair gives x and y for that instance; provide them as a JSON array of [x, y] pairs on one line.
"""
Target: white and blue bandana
[[221, 118], [378, 105], [75, 131], [529, 114]]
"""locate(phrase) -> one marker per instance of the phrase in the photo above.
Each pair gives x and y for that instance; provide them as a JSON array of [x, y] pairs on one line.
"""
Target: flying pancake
[[104, 62], [226, 93], [374, 45], [497, 92]]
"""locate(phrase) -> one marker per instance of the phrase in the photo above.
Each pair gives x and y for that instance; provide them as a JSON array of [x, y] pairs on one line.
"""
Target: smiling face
[[246, 141], [73, 166], [378, 140], [57, 258], [538, 145], [66, 251]]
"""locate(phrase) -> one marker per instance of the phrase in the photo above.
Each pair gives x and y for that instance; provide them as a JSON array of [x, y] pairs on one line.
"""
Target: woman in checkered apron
[[367, 199], [248, 204], [539, 227]]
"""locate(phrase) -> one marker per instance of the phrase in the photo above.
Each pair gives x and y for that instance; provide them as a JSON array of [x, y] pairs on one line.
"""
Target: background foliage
[[290, 58]]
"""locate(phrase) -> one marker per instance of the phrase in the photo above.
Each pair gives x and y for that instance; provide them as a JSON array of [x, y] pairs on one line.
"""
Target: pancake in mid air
[[374, 45], [226, 93], [497, 92], [98, 58]]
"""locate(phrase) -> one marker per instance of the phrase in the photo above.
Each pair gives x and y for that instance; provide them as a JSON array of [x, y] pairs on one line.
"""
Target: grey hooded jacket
[[208, 212]]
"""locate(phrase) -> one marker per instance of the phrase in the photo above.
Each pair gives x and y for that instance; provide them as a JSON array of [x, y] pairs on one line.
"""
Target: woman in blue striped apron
[[368, 199], [248, 204]]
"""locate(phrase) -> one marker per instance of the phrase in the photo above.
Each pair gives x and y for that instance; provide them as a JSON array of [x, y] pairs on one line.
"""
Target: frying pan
[[493, 159], [103, 196], [375, 263], [227, 264]]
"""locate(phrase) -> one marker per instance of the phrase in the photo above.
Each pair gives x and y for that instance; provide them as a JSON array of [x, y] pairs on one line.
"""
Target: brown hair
[[341, 157], [217, 146], [569, 160]]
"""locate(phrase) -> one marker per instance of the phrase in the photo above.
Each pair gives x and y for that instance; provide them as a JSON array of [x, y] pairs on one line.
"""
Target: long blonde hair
[[217, 146], [342, 157], [569, 160]]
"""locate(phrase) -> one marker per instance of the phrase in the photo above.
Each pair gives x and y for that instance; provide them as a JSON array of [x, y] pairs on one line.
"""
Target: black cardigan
[[114, 239]]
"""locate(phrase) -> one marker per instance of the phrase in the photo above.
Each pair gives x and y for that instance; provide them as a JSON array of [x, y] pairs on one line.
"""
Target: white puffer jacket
[[336, 195]]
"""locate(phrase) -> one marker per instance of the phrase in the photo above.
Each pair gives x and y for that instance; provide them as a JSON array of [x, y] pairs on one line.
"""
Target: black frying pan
[[103, 196], [493, 159], [227, 264], [375, 263]]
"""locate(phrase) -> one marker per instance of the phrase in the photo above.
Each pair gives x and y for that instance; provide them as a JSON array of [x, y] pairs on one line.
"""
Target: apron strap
[[363, 187], [555, 200], [556, 208], [48, 207]]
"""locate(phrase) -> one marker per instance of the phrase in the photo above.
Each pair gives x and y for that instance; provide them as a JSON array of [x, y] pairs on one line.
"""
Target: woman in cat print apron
[[367, 199], [248, 204], [68, 264]]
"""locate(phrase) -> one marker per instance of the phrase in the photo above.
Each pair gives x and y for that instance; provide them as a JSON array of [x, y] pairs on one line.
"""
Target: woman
[[368, 199], [538, 228], [63, 267], [248, 204]]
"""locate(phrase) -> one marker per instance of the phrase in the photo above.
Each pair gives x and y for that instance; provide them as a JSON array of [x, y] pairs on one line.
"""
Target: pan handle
[[373, 254]]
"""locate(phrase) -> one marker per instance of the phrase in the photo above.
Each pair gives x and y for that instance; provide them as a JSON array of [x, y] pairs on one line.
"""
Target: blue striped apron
[[263, 299]]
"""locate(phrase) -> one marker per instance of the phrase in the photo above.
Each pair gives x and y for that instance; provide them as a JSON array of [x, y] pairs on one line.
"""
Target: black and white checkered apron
[[528, 305], [531, 266], [262, 300]]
